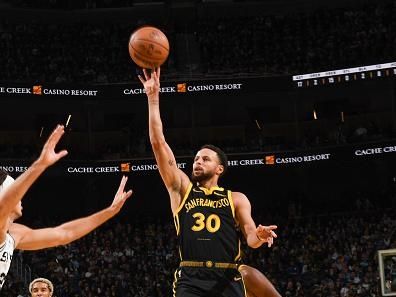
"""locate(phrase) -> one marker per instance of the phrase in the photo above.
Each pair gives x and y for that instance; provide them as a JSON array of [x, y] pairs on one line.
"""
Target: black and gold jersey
[[206, 226]]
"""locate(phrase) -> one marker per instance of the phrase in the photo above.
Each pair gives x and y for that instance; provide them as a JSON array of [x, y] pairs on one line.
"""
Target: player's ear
[[220, 169]]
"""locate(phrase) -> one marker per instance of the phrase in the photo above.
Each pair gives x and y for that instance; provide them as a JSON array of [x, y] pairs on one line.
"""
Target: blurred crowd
[[53, 54], [262, 45], [300, 43], [73, 4], [331, 256]]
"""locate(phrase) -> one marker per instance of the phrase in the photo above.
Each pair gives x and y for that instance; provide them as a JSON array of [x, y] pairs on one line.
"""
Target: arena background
[[313, 157]]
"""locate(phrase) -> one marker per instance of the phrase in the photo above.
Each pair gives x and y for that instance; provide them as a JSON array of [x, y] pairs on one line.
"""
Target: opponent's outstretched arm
[[13, 194], [49, 237]]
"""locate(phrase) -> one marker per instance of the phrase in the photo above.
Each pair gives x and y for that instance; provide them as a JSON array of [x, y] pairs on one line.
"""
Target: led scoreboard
[[345, 75]]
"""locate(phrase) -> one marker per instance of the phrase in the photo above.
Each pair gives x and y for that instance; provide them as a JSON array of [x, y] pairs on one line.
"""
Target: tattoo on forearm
[[171, 162]]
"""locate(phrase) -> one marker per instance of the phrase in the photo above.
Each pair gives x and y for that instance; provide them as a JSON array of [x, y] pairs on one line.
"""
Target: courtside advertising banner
[[135, 89], [266, 160]]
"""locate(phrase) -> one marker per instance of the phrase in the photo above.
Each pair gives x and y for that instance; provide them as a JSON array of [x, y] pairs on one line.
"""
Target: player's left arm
[[13, 194], [34, 239], [255, 236]]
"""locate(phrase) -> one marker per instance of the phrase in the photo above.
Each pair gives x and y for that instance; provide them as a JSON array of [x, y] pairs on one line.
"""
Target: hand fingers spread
[[56, 135], [154, 74], [141, 79], [122, 184], [128, 194], [146, 76], [62, 153]]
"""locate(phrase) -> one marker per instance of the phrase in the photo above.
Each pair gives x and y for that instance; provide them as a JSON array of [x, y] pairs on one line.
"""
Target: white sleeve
[[6, 183]]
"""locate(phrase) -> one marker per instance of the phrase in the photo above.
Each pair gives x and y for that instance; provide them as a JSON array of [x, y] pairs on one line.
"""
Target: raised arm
[[176, 181], [255, 236], [11, 195], [49, 237]]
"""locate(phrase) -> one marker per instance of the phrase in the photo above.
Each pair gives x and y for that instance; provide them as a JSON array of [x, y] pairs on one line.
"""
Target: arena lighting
[[314, 115], [68, 119], [258, 125], [345, 75]]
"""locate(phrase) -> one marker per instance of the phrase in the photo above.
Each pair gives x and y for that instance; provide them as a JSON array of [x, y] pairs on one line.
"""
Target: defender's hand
[[48, 155], [121, 196]]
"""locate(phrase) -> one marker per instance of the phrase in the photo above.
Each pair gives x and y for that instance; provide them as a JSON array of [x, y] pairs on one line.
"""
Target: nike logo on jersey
[[237, 278]]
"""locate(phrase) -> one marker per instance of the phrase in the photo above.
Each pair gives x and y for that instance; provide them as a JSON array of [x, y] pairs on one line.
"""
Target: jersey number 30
[[212, 222]]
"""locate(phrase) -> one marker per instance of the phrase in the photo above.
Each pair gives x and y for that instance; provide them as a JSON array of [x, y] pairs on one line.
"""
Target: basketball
[[148, 47]]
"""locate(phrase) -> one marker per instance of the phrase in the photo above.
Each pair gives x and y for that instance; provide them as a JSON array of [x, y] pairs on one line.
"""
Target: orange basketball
[[148, 47]]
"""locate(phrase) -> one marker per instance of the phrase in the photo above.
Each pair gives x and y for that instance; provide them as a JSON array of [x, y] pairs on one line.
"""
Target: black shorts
[[208, 282]]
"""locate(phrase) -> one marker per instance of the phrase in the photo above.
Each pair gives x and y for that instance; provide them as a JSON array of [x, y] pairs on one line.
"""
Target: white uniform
[[8, 246], [6, 183], [6, 251]]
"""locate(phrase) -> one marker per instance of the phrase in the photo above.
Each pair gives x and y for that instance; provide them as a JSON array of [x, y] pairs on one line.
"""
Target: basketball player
[[41, 287], [17, 236], [206, 215]]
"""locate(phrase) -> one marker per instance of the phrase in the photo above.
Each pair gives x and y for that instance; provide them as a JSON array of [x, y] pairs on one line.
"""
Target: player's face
[[206, 165], [40, 289]]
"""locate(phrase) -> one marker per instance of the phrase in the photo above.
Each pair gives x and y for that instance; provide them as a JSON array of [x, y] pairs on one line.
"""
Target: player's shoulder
[[238, 195], [18, 231], [16, 227], [240, 200]]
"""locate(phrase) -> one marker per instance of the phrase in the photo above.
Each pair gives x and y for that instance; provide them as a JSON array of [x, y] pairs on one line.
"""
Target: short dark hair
[[3, 176], [220, 154]]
